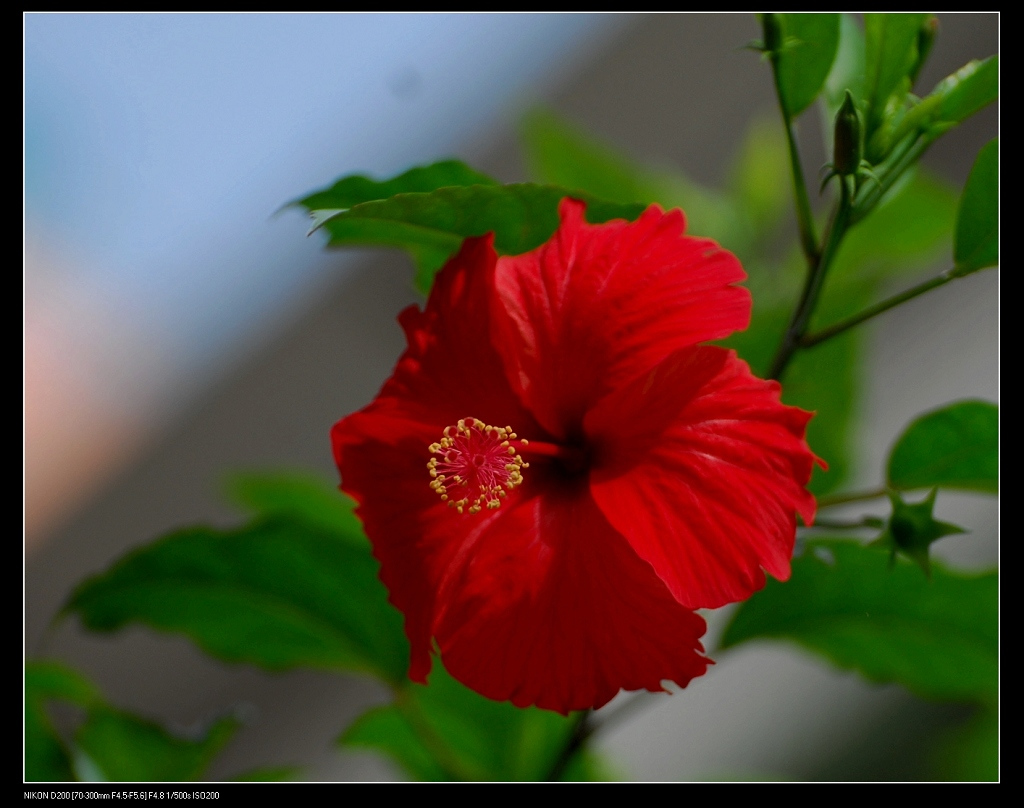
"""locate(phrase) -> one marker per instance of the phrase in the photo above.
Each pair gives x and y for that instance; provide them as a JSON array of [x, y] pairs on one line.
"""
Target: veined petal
[[382, 459], [451, 369], [702, 468], [551, 607], [598, 305]]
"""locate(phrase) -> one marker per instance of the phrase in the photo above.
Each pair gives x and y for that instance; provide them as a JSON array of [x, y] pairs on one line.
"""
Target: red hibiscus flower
[[557, 474]]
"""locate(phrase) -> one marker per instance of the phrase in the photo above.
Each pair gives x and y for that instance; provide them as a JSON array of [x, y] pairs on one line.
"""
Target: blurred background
[[179, 326]]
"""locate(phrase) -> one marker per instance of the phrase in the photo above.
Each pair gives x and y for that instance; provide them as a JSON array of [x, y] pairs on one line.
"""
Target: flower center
[[475, 464]]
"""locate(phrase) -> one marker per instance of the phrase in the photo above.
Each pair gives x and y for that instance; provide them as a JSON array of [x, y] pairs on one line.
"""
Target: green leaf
[[447, 732], [912, 529], [890, 45], [355, 189], [976, 245], [268, 774], [302, 496], [954, 99], [971, 752], [939, 638], [759, 177], [46, 757], [559, 153], [910, 229], [847, 71], [825, 381], [124, 747], [970, 89], [279, 593], [956, 446], [432, 225], [808, 51]]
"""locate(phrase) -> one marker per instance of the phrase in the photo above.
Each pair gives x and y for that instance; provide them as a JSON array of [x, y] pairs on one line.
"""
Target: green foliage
[[354, 190], [912, 529], [303, 496], [558, 153], [759, 184], [123, 747], [448, 732], [956, 446], [954, 99], [970, 89], [909, 230], [280, 592], [809, 46], [976, 245], [269, 774], [431, 226], [47, 758], [971, 752], [109, 744], [891, 57], [939, 638], [847, 73]]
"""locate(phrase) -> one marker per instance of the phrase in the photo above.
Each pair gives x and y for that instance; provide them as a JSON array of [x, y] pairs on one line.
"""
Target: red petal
[[451, 368], [552, 608], [598, 305], [449, 371], [701, 467], [383, 464]]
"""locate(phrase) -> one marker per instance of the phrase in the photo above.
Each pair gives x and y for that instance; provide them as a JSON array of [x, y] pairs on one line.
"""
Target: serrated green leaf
[[46, 757], [956, 446], [810, 42], [939, 638], [356, 189], [559, 153], [124, 747], [303, 496], [278, 593], [890, 47], [445, 731], [432, 226], [976, 245]]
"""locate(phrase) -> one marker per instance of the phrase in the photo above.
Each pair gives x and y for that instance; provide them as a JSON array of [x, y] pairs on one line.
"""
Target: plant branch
[[843, 499], [813, 285], [804, 217], [810, 340], [870, 196], [581, 732]]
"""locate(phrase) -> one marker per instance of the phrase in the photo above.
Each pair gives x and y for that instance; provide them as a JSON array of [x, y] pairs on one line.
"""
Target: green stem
[[447, 761], [843, 499], [813, 285], [837, 524], [873, 192], [810, 340], [581, 732], [804, 217]]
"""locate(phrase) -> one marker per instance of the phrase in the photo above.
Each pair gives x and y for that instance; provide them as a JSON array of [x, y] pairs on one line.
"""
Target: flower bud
[[847, 152], [925, 40]]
